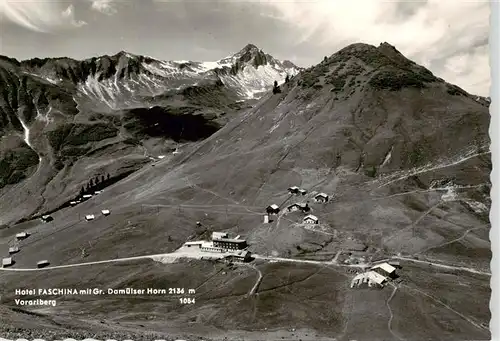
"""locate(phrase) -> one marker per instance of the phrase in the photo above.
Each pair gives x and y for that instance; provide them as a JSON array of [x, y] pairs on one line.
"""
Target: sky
[[449, 37]]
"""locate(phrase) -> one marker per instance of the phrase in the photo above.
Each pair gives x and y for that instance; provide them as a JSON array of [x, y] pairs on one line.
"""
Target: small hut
[[42, 263], [321, 197], [311, 219], [272, 209]]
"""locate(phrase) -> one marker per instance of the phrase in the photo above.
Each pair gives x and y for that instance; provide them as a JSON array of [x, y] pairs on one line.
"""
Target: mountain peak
[[249, 51], [379, 68], [290, 65], [249, 48], [123, 53]]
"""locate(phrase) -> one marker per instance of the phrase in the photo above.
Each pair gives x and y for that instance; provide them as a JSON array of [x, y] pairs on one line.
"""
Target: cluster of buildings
[[376, 277], [90, 217], [84, 197], [320, 197], [297, 190], [9, 261], [236, 248], [299, 206]]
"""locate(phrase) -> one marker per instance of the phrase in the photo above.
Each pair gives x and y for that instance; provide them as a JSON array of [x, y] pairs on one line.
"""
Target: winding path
[[453, 240], [477, 325], [176, 255], [444, 266], [391, 316], [127, 259], [429, 168], [254, 289]]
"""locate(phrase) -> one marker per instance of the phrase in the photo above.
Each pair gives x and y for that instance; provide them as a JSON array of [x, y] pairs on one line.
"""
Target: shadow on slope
[[176, 123]]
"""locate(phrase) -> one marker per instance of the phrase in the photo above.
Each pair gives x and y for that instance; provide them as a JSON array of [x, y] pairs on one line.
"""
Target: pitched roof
[[274, 206], [358, 276], [375, 277], [199, 242], [310, 216], [386, 267], [295, 205], [321, 195], [371, 276]]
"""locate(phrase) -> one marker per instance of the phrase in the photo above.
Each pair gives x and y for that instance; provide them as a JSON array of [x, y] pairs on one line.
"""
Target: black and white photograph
[[245, 170]]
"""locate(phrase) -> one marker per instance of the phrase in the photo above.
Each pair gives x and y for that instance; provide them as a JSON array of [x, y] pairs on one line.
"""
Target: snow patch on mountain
[[27, 139], [26, 132], [252, 81], [240, 73], [387, 157], [100, 91], [207, 66], [49, 79]]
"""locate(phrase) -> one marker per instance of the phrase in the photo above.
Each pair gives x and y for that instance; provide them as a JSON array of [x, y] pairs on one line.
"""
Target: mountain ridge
[[125, 65]]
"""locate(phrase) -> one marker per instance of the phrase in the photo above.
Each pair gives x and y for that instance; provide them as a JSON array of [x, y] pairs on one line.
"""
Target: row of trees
[[96, 184]]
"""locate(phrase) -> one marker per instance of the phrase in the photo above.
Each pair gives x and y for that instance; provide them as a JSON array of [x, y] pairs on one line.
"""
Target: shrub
[[455, 91], [338, 82], [395, 80], [416, 156], [371, 171]]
